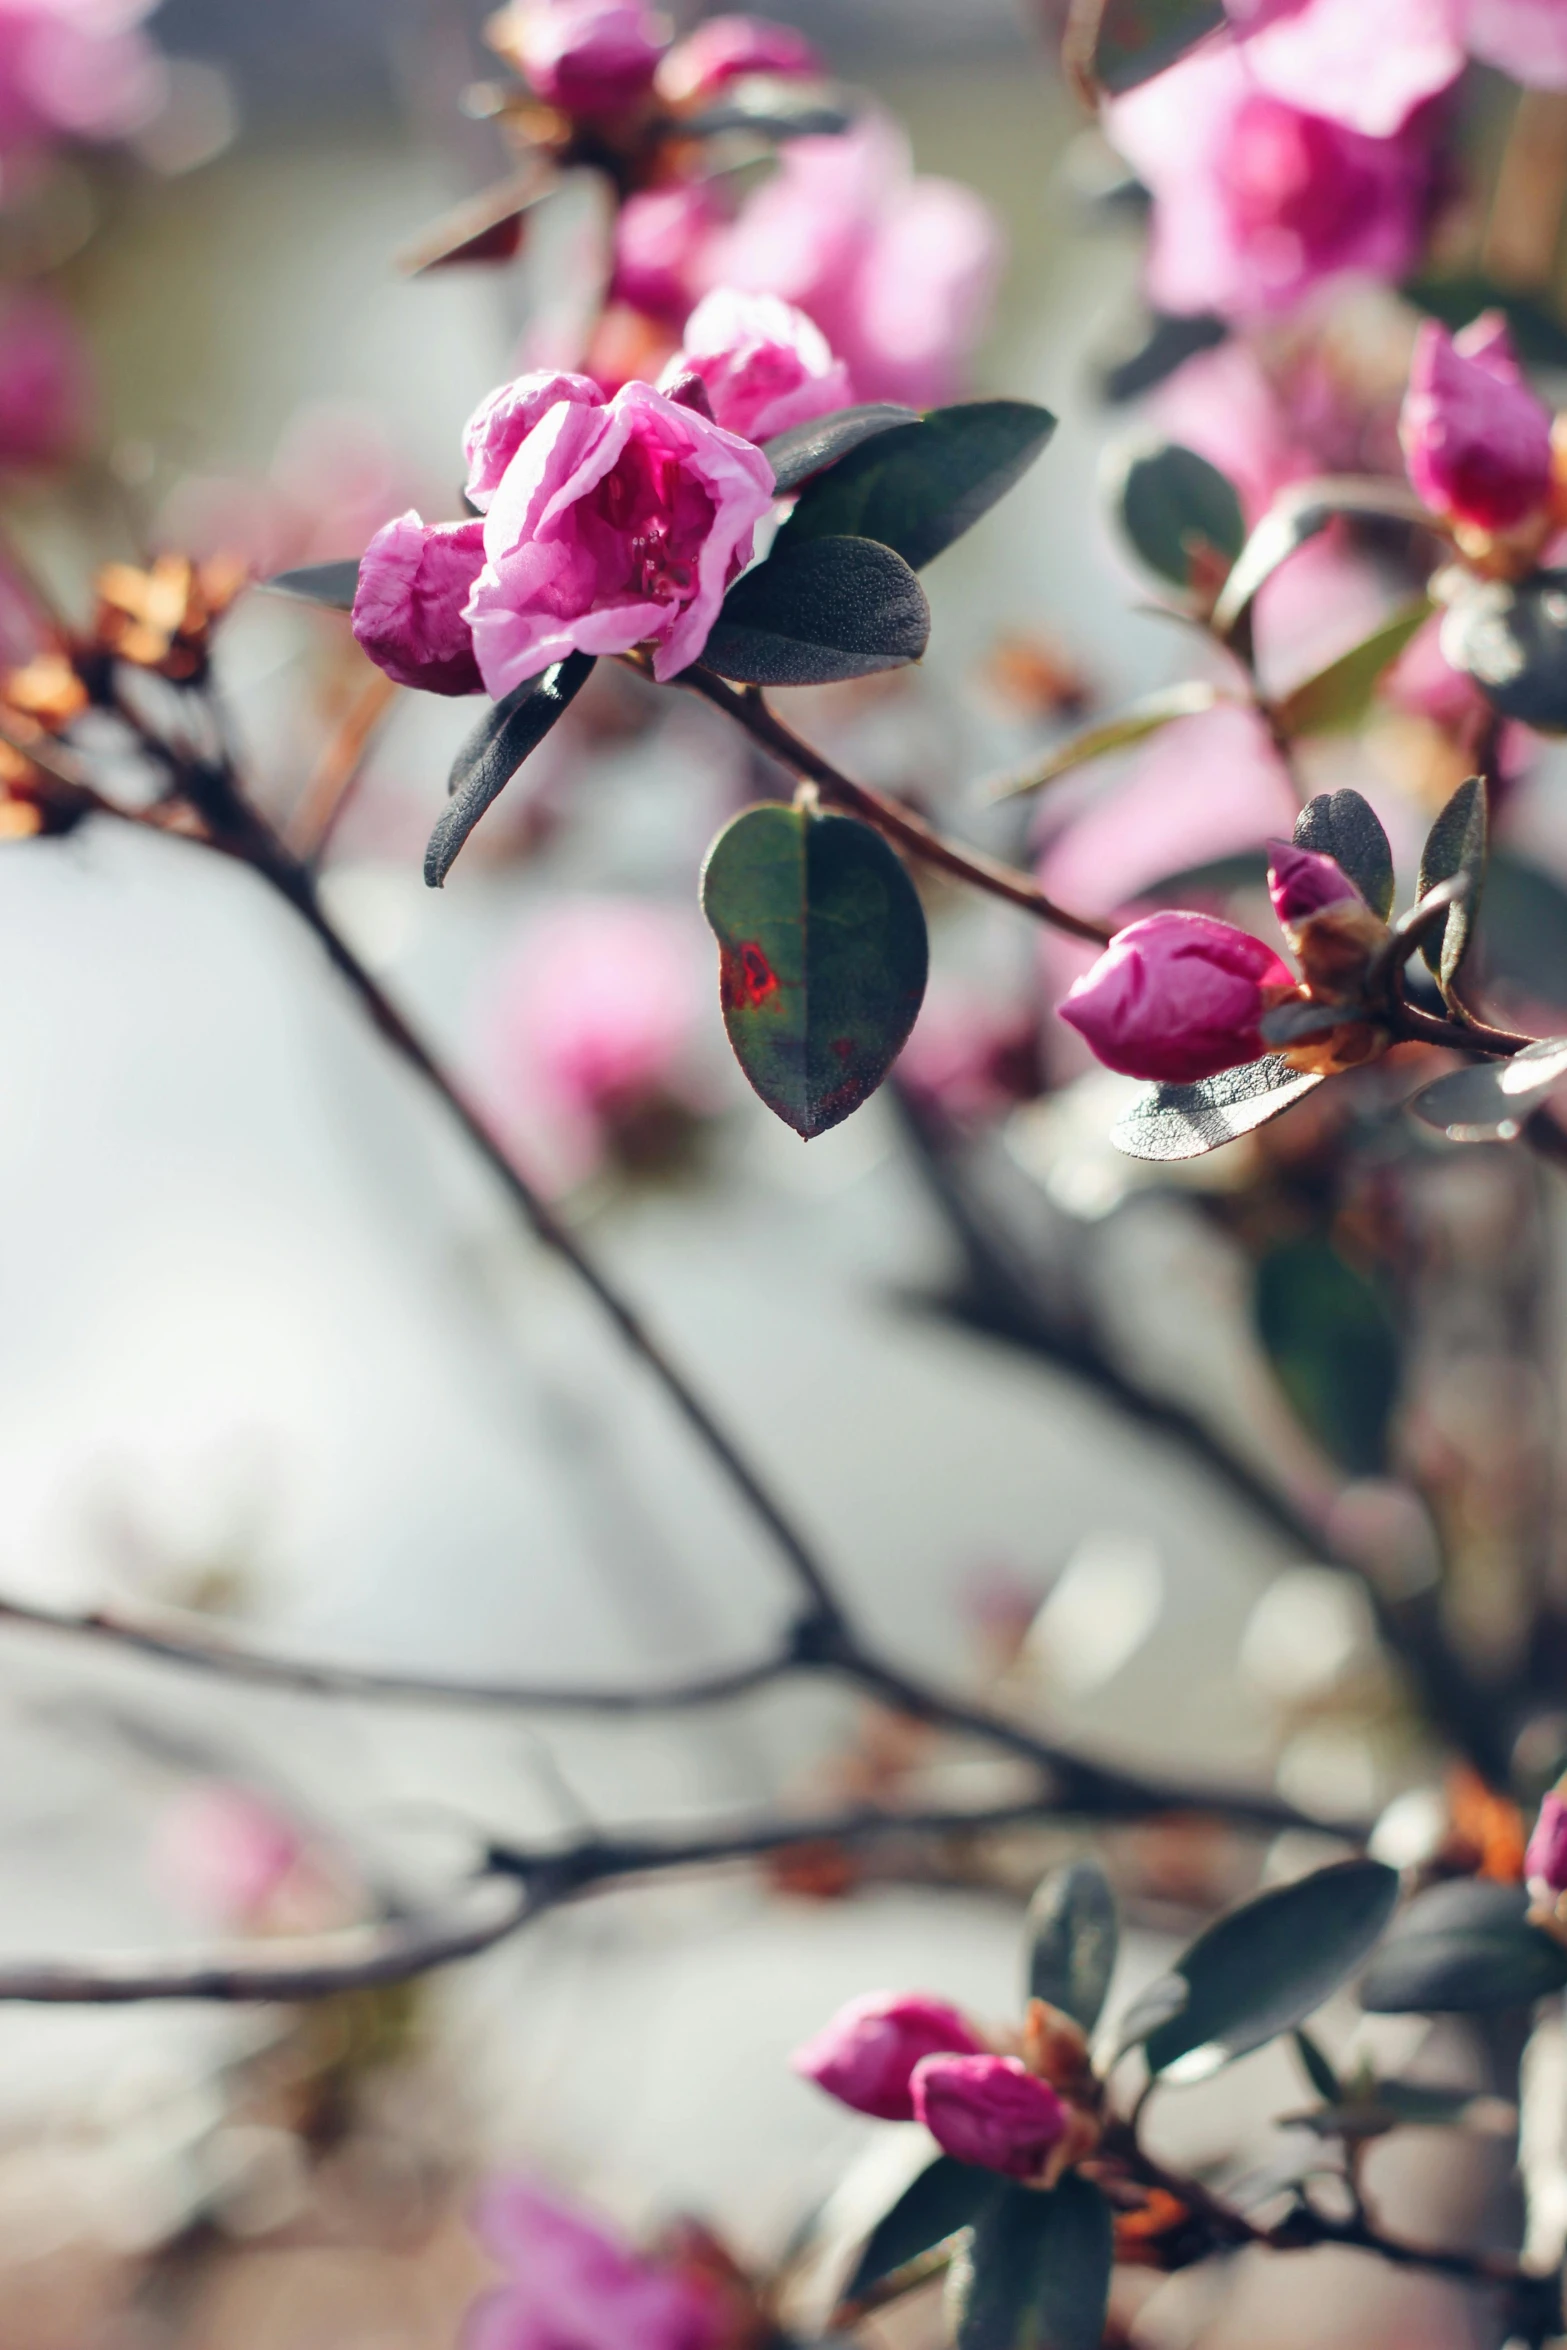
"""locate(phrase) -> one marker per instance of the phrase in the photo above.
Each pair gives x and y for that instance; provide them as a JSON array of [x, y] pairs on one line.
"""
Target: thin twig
[[337, 772]]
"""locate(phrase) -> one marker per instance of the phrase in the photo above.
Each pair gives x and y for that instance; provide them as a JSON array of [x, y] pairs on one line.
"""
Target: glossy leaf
[[1298, 514], [1491, 1102], [1343, 826], [945, 2197], [807, 449], [1316, 2068], [1269, 1965], [333, 585], [1339, 697], [1184, 1121], [818, 613], [1072, 1936], [921, 486], [1035, 2275], [1149, 716], [497, 747], [1178, 512], [822, 958], [1511, 638], [1455, 846], [1138, 38], [1462, 1948], [1333, 1347]]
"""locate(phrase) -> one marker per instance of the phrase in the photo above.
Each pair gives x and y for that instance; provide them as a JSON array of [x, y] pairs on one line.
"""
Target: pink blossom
[[662, 240], [1423, 682], [414, 580], [1546, 1859], [728, 47], [575, 2284], [968, 1056], [1255, 201], [502, 422], [867, 2055], [1476, 439], [1303, 882], [989, 2110], [1177, 996], [78, 69], [45, 385], [591, 57], [613, 527], [224, 1852], [765, 366], [1367, 68], [1524, 38]]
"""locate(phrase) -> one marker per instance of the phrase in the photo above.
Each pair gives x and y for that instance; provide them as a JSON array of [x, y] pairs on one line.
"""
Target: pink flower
[[1546, 1859], [1525, 38], [1423, 682], [78, 69], [1367, 68], [1303, 882], [765, 365], [728, 47], [989, 2110], [224, 1853], [969, 1056], [662, 237], [1255, 201], [867, 2055], [45, 386], [1176, 997], [1476, 440], [613, 527], [414, 580], [590, 57], [574, 2284], [501, 423]]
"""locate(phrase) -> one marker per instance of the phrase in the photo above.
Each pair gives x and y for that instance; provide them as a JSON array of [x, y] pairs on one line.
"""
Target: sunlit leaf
[[807, 449], [1035, 2275], [922, 485], [1179, 512], [1338, 698], [946, 2196], [1072, 1935], [1298, 514], [497, 747], [333, 585], [1510, 636], [1461, 1948], [1490, 1103], [1185, 1121], [1455, 846], [1155, 711], [820, 612], [1343, 826]]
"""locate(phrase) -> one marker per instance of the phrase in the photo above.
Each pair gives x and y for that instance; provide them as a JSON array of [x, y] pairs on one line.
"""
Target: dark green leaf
[[1523, 929], [946, 2196], [1167, 345], [1144, 718], [495, 750], [1333, 1347], [1511, 638], [1343, 826], [1316, 2067], [1456, 845], [1072, 1938], [1154, 2005], [1297, 515], [776, 114], [822, 958], [1138, 38], [918, 488], [1184, 1121], [806, 449], [1539, 334], [1464, 1947], [1176, 509], [1338, 698], [1036, 2273], [818, 613], [1267, 1966], [1415, 2105], [333, 585], [1491, 1102]]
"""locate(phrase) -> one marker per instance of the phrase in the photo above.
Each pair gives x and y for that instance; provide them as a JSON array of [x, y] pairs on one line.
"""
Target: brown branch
[[337, 771]]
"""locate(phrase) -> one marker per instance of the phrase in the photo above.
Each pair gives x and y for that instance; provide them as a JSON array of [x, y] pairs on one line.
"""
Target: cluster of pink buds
[[1027, 2105], [1480, 445], [599, 59]]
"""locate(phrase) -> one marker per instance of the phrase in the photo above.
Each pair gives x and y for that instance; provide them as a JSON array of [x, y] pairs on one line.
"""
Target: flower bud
[[990, 2110], [1336, 936], [766, 366], [728, 47], [1545, 1862], [1178, 996], [414, 580], [589, 57], [1476, 440], [1303, 882], [868, 2052]]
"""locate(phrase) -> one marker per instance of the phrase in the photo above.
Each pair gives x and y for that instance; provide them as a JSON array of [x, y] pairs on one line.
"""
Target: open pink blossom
[[727, 48], [576, 2284], [765, 366], [613, 527], [867, 2054], [991, 2111], [415, 579], [75, 69], [589, 57], [1524, 38], [45, 382], [1370, 68], [1546, 1859], [1177, 996], [502, 422], [662, 241], [1477, 440]]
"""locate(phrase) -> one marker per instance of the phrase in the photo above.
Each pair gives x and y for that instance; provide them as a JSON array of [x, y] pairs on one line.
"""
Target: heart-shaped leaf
[[1343, 826], [807, 449], [495, 750], [1297, 515], [820, 612], [1149, 716], [920, 487], [1339, 697], [1035, 2274], [1072, 1936], [332, 585], [1180, 513], [945, 2197], [1185, 1121], [1510, 636], [1461, 1948], [1269, 1965], [822, 958], [1455, 846], [1491, 1103], [1135, 39]]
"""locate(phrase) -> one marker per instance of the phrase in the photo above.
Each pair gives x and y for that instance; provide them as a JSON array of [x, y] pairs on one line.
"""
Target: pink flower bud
[[1303, 882], [728, 47], [414, 579], [989, 2110], [1176, 997], [590, 57], [661, 240], [501, 423], [1476, 440], [866, 2055], [1546, 1858], [765, 366]]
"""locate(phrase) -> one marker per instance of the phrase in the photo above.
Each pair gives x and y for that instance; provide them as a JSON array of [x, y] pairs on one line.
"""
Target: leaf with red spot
[[822, 958]]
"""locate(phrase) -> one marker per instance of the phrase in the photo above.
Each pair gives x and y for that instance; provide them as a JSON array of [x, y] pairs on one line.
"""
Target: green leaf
[[1455, 845], [1072, 1935], [1036, 2273], [1316, 2067], [818, 613], [806, 449], [1138, 38], [1267, 1966], [1461, 1948], [333, 585], [822, 958], [1174, 507], [1343, 826], [1511, 638], [1144, 718], [1333, 1347], [1523, 929], [1168, 342], [497, 747], [1491, 1103], [775, 113], [945, 2197], [918, 488], [1338, 698], [1184, 1121], [1297, 515]]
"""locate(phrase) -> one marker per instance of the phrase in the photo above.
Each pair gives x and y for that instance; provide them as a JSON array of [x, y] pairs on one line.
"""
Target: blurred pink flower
[[990, 2111], [1176, 997], [662, 237], [1545, 1861], [866, 2055], [590, 57], [414, 580], [1477, 440], [1369, 68], [968, 1056], [45, 382], [725, 48], [576, 2284], [1524, 38], [224, 1853], [1423, 682], [765, 366], [336, 478], [75, 69]]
